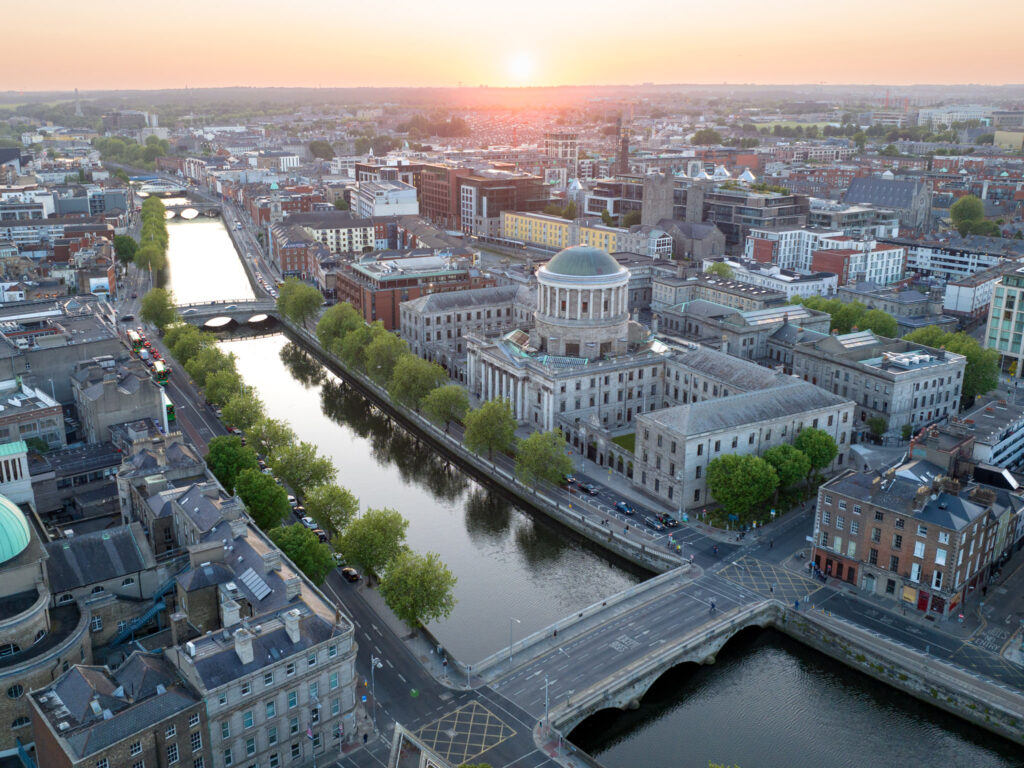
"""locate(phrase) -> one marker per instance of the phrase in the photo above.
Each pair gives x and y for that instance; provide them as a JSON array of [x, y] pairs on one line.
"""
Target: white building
[[384, 198], [998, 431], [788, 281], [944, 117], [788, 247]]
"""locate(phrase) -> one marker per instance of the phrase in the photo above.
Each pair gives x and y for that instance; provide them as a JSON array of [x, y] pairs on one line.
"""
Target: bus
[[160, 372], [135, 340], [170, 412]]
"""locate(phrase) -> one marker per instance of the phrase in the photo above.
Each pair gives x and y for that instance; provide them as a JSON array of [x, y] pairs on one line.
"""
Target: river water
[[767, 703]]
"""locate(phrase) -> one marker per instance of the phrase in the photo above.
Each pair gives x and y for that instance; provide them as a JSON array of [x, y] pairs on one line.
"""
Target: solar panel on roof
[[255, 583]]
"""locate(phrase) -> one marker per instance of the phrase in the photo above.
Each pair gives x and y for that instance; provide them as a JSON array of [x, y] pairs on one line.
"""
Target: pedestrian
[[771, 543], [679, 549], [772, 589], [691, 558], [712, 608], [555, 634]]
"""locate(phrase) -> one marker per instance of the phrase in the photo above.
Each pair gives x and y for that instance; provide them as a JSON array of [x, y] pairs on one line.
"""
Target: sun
[[520, 66]]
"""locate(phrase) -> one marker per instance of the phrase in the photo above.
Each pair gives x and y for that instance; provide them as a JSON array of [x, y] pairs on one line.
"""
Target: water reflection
[[303, 368], [539, 544], [488, 516]]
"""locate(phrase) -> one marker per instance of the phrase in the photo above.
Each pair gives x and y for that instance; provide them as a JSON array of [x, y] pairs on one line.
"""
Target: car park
[[350, 574], [650, 522], [624, 508]]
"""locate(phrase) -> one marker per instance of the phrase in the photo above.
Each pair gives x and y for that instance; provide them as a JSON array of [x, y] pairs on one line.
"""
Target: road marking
[[402, 678], [376, 629]]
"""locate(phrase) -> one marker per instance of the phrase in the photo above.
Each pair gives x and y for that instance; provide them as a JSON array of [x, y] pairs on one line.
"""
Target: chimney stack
[[292, 587], [243, 645], [272, 560], [291, 624]]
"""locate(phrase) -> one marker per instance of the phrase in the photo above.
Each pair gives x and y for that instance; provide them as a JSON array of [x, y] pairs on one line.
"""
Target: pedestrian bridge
[[221, 314]]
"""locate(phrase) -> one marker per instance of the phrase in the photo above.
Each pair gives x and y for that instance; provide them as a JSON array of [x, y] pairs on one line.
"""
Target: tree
[[819, 446], [340, 204], [300, 467], [158, 308], [790, 464], [446, 404], [270, 435], [351, 349], [860, 139], [542, 456], [125, 247], [374, 539], [879, 322], [606, 218], [413, 379], [222, 385], [981, 374], [878, 425], [227, 458], [967, 212], [298, 301], [929, 336], [631, 219], [740, 483], [383, 355], [906, 431], [243, 409], [150, 257], [337, 322], [570, 211], [266, 501], [418, 588], [303, 548], [720, 269], [707, 136], [206, 362], [321, 149], [185, 341], [491, 427], [332, 506]]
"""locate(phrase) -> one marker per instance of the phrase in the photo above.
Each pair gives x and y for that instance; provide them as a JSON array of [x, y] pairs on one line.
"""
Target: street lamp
[[374, 665], [512, 621]]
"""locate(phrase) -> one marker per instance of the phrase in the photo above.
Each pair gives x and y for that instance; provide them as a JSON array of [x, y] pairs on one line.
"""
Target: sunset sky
[[107, 44]]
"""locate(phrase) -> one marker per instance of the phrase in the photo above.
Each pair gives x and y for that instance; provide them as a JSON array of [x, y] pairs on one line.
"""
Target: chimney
[[231, 613], [243, 645], [272, 561], [291, 624], [237, 528], [178, 620], [292, 587]]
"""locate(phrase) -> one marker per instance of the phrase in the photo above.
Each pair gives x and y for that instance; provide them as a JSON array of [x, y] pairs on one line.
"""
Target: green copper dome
[[14, 530], [583, 261]]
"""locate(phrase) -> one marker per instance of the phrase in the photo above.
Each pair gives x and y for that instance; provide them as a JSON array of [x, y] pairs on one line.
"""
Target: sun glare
[[520, 66]]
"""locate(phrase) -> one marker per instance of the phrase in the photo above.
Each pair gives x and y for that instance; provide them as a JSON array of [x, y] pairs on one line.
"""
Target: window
[[198, 763], [296, 751], [225, 730], [103, 763], [897, 541], [246, 687], [290, 669], [828, 498], [334, 682], [826, 517], [20, 722], [890, 586], [937, 579], [15, 691], [271, 709], [718, 445], [332, 650], [918, 549], [894, 563], [293, 725], [842, 503], [222, 699], [135, 748], [96, 624], [172, 754], [899, 522], [943, 537], [879, 516], [139, 764], [311, 660], [856, 509], [66, 598], [193, 720], [127, 581], [940, 557], [247, 721], [915, 572], [268, 678], [314, 690], [700, 450], [195, 741], [271, 736], [854, 527], [873, 557], [922, 530], [335, 707], [293, 699], [171, 732], [698, 472], [250, 746], [840, 522]]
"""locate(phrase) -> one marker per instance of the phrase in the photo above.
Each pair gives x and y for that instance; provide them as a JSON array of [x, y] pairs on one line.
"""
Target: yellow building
[[1011, 140], [557, 233]]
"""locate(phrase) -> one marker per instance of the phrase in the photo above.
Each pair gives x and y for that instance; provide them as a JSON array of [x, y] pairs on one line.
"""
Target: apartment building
[[340, 231], [858, 261], [486, 193], [773, 278], [788, 247], [384, 198], [556, 233], [1005, 330]]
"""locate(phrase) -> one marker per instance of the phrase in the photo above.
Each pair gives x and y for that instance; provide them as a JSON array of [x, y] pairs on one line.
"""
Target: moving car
[[589, 488], [667, 520], [350, 574], [650, 522], [624, 508]]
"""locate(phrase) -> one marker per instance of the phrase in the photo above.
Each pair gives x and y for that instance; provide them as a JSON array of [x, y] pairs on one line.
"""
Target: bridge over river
[[222, 313]]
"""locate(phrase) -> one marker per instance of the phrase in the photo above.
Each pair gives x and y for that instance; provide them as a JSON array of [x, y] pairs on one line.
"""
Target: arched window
[[9, 649], [15, 691], [66, 598], [128, 581], [20, 722], [97, 589], [39, 636]]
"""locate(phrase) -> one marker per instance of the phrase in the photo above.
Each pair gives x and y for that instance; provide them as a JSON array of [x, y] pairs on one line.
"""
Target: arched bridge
[[240, 311], [201, 209]]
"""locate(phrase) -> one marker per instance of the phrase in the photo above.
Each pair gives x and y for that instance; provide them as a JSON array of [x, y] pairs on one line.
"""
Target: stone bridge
[[185, 210], [220, 314]]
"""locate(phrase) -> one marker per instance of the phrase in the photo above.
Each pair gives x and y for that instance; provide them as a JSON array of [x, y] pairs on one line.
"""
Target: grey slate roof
[[205, 576], [884, 192], [735, 372], [747, 408], [456, 300], [93, 557]]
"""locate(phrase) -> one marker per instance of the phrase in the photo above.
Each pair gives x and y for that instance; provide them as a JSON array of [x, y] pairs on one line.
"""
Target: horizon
[[454, 43]]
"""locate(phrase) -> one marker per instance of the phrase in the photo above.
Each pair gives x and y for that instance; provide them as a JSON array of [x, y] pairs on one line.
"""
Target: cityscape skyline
[[231, 44]]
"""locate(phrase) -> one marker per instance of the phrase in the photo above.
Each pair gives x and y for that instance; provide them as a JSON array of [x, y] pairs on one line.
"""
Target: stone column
[[579, 303]]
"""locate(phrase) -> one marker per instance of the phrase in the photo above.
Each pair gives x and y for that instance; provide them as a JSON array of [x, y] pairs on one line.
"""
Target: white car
[[292, 501], [310, 523]]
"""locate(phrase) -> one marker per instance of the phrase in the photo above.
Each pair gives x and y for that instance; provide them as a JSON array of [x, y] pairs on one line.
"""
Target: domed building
[[582, 304], [583, 358]]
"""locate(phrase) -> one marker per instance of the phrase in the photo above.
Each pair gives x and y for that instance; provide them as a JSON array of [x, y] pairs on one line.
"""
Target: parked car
[[293, 501], [320, 534], [309, 522], [650, 522], [127, 318], [350, 574], [300, 511], [339, 559], [667, 520], [624, 508]]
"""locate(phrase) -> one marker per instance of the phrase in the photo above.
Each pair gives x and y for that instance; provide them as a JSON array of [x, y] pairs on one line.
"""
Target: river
[[768, 702]]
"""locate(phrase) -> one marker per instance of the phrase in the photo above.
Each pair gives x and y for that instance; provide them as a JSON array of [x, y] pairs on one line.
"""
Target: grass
[[626, 441]]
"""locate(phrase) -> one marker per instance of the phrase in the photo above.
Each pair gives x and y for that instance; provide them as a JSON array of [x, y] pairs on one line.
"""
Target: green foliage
[[413, 378], [847, 316], [125, 247], [446, 404], [336, 322], [351, 350], [906, 431], [207, 361], [740, 483], [418, 588], [790, 464], [542, 456], [818, 445], [720, 269], [374, 539], [383, 355], [606, 218], [227, 458], [491, 427], [158, 308], [966, 213], [303, 548], [332, 506], [321, 149], [222, 385], [340, 204], [243, 409], [631, 219], [268, 436], [879, 322], [266, 501], [37, 444], [420, 126], [878, 425], [298, 301], [186, 341], [706, 136], [301, 467], [568, 211], [128, 152], [982, 372]]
